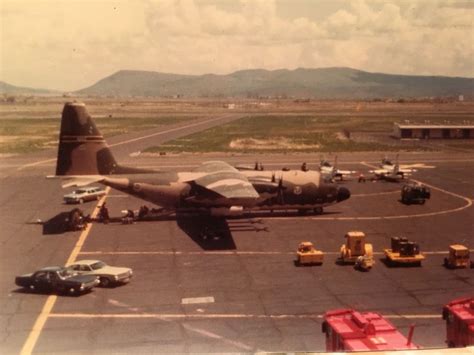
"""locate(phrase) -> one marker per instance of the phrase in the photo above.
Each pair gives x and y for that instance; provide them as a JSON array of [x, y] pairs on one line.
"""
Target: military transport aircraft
[[214, 188], [331, 172]]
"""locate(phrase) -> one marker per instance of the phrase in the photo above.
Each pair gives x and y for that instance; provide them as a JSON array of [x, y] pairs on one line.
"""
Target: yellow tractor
[[308, 255], [458, 257], [357, 251]]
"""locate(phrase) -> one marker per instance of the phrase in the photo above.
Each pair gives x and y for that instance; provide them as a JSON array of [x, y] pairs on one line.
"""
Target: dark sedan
[[57, 279]]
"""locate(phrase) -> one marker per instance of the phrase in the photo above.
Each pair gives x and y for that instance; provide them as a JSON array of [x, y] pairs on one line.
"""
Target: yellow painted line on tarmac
[[178, 316], [35, 332], [38, 326]]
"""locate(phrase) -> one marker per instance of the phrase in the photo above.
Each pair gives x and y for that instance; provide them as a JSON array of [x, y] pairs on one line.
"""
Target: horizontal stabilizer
[[77, 180]]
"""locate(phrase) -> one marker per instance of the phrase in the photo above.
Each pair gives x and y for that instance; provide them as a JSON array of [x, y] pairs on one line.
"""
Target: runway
[[244, 295]]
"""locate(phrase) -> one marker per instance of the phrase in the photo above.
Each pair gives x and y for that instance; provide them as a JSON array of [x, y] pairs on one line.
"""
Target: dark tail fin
[[82, 149]]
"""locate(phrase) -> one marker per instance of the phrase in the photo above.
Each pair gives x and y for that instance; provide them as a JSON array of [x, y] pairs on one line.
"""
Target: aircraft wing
[[345, 172], [225, 180], [380, 171]]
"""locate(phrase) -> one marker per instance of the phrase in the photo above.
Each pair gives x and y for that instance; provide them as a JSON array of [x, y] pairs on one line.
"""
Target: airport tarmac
[[238, 294]]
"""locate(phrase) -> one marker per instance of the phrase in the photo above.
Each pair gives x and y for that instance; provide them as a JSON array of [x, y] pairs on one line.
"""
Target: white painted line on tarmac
[[36, 163], [199, 331], [223, 253], [196, 300], [35, 332], [376, 193], [178, 316], [212, 335]]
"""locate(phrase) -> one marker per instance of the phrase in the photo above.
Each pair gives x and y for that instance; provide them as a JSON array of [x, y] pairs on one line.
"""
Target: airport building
[[430, 131]]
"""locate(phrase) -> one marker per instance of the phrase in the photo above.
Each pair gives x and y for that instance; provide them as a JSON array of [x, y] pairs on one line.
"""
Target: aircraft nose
[[343, 194]]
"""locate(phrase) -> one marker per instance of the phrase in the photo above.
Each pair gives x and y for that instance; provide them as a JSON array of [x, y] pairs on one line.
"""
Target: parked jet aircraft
[[391, 171], [331, 172], [214, 188]]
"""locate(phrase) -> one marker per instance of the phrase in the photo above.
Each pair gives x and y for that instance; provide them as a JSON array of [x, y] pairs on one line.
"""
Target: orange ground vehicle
[[403, 252], [458, 257], [308, 255], [357, 251]]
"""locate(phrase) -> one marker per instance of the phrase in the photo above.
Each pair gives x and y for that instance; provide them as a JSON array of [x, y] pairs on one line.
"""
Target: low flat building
[[433, 131]]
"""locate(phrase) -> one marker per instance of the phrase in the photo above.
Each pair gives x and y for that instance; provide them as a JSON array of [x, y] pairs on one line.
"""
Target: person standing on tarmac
[[104, 213]]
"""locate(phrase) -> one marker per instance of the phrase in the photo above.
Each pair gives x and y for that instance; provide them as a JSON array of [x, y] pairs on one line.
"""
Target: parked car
[[84, 194], [107, 274], [57, 279]]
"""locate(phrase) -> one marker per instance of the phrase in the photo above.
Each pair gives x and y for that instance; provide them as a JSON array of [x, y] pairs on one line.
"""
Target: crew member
[[104, 213]]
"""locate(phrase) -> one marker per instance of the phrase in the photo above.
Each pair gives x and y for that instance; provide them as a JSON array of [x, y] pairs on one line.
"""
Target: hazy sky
[[69, 45]]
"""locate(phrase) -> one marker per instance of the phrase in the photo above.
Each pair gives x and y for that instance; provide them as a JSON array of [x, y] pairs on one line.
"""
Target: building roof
[[434, 126]]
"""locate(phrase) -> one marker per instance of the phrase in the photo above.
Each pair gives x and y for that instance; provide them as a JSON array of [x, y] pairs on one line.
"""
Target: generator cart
[[354, 248], [403, 252], [458, 257], [308, 255]]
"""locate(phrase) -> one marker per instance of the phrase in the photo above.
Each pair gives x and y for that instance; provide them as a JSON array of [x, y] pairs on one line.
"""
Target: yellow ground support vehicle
[[458, 257], [355, 248], [308, 255], [403, 252]]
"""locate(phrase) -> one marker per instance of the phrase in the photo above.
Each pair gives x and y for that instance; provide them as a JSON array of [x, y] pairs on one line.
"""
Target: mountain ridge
[[334, 82]]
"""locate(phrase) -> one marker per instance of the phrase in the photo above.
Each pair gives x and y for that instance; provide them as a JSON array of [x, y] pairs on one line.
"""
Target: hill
[[9, 89], [331, 83]]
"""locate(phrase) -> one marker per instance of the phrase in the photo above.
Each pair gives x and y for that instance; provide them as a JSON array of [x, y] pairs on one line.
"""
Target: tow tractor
[[458, 257], [415, 193], [403, 252], [308, 255], [357, 251]]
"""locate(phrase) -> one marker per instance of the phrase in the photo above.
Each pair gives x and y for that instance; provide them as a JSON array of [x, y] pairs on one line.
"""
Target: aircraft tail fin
[[82, 149]]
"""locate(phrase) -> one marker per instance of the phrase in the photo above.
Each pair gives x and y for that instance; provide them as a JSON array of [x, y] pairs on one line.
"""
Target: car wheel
[[104, 282]]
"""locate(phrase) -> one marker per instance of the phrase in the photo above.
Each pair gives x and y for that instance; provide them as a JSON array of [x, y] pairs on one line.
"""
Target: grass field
[[26, 135], [304, 133], [269, 125]]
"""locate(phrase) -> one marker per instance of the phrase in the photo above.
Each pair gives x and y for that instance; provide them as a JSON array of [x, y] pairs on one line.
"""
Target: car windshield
[[77, 192], [98, 265]]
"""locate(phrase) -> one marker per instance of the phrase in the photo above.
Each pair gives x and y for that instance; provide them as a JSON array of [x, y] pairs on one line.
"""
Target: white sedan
[[108, 275], [84, 194]]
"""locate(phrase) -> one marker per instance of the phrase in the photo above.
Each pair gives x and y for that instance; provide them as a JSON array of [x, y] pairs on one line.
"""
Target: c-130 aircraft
[[214, 188]]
